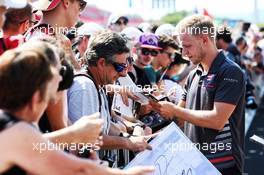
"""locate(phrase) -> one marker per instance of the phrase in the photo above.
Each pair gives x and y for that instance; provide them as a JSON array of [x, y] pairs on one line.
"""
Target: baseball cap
[[149, 41], [18, 4], [114, 17], [47, 5], [132, 33], [165, 29], [89, 29], [178, 59]]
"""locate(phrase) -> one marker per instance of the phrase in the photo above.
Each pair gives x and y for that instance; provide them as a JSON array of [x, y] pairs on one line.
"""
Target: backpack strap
[[6, 120], [89, 75]]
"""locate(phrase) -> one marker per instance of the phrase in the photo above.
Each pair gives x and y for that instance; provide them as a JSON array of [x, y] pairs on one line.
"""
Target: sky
[[237, 9]]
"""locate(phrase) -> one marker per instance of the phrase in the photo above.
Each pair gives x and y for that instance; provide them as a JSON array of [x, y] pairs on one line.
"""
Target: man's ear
[[101, 63], [36, 98], [86, 40], [204, 38], [24, 26], [65, 3]]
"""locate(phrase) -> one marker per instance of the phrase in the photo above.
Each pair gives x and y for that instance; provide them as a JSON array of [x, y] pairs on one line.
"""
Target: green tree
[[174, 18]]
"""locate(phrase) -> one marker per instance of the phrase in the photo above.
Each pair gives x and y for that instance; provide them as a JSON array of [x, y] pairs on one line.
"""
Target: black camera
[[250, 100], [67, 74], [250, 97], [84, 152], [178, 59]]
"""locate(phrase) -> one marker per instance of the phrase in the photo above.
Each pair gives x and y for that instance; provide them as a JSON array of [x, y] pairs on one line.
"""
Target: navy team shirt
[[224, 82]]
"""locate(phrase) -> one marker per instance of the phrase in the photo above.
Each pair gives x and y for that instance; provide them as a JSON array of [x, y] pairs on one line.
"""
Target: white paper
[[118, 104], [120, 107], [169, 156], [127, 82]]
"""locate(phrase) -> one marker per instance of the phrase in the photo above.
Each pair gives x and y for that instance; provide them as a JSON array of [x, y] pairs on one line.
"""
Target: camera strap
[[3, 44], [89, 75]]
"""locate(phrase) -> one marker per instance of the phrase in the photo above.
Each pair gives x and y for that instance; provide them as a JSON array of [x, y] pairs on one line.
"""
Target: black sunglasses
[[119, 67], [146, 52], [82, 4], [121, 22], [170, 55]]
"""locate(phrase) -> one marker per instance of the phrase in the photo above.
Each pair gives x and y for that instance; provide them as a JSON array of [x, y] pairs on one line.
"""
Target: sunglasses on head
[[147, 52], [82, 4], [170, 55]]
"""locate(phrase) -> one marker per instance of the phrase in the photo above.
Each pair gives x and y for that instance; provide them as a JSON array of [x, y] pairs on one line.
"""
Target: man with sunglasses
[[144, 51], [106, 59], [146, 48], [162, 60], [117, 22], [58, 17]]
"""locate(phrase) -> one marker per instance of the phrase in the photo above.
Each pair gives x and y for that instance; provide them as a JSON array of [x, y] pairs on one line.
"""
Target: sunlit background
[[247, 10]]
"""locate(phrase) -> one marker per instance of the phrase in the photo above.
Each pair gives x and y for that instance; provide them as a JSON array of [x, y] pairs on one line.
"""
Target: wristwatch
[[140, 125], [124, 134]]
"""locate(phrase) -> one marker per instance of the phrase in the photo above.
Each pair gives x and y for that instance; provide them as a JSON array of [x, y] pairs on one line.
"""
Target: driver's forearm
[[207, 119]]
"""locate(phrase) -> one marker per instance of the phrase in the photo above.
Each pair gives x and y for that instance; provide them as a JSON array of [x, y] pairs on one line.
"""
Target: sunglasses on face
[[121, 22], [170, 55], [119, 67], [82, 4], [147, 52]]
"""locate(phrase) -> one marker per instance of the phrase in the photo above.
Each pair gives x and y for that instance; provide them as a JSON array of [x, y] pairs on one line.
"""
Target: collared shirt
[[224, 82]]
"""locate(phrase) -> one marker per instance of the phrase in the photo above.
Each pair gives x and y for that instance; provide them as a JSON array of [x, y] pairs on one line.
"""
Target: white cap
[[132, 33], [165, 29], [145, 26], [47, 5], [89, 29], [114, 17], [18, 4]]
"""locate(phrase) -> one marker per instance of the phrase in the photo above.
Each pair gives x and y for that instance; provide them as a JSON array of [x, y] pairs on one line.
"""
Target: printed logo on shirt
[[209, 81], [210, 77], [231, 80]]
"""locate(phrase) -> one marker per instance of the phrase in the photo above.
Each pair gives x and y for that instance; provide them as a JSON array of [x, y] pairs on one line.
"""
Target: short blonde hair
[[196, 25]]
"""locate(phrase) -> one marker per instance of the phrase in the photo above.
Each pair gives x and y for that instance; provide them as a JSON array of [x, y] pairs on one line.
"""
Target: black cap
[[178, 59]]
